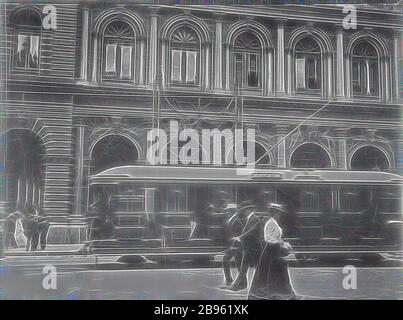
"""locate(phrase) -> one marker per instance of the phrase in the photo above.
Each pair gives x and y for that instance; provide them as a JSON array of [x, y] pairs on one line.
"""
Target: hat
[[246, 204], [230, 207], [277, 206]]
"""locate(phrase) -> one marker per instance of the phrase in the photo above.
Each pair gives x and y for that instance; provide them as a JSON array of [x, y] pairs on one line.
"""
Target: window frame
[[246, 54], [119, 42], [184, 67], [308, 55], [185, 49], [28, 30], [370, 63]]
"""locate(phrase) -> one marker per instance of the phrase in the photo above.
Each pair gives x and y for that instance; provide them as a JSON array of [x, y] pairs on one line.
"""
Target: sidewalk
[[51, 249]]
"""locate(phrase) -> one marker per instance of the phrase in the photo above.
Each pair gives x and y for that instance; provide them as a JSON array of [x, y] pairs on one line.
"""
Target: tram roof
[[220, 175]]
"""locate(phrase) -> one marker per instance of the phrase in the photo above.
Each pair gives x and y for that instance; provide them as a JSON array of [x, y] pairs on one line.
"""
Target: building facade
[[81, 95]]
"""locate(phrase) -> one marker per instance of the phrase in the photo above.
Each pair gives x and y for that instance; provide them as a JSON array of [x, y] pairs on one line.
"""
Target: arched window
[[310, 155], [119, 51], [248, 61], [27, 39], [185, 57], [308, 65], [369, 158], [112, 151], [365, 70]]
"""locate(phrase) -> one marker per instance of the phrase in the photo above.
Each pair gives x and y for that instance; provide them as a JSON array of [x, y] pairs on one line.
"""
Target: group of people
[[26, 226], [257, 242]]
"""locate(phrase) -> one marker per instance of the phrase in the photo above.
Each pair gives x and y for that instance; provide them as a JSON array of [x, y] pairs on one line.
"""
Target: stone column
[[384, 83], [84, 46], [80, 140], [348, 80], [281, 131], [328, 84], [290, 75], [396, 65], [218, 54], [153, 51], [341, 135], [207, 70], [270, 69], [142, 65], [95, 60], [340, 86], [164, 60], [280, 58], [228, 49]]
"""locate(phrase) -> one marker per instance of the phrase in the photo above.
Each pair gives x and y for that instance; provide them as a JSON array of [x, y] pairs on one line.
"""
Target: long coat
[[271, 279]]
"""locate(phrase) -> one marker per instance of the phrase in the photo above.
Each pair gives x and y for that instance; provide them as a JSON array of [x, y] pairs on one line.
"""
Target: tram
[[331, 211]]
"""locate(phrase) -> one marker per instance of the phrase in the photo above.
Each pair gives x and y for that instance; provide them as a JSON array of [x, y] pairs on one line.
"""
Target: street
[[22, 278]]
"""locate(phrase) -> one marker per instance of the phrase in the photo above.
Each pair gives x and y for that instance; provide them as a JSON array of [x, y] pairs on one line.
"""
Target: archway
[[24, 170], [112, 151], [369, 158], [310, 155]]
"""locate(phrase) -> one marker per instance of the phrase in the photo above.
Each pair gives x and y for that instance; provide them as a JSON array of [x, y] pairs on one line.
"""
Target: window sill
[[192, 87], [366, 98]]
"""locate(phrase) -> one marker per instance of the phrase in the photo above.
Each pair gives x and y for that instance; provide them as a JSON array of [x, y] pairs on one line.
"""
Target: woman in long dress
[[271, 279]]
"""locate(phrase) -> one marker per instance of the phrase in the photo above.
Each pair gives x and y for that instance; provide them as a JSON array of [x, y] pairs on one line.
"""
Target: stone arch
[[375, 155], [126, 152], [24, 164], [318, 149]]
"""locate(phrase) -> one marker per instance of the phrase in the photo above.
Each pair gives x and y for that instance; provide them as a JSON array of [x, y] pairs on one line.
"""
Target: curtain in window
[[191, 66], [110, 58], [300, 73], [176, 65], [126, 61]]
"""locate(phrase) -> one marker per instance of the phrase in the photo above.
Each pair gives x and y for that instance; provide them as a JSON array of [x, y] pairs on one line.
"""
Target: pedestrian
[[250, 242], [30, 226], [10, 228], [43, 228], [271, 279], [233, 228]]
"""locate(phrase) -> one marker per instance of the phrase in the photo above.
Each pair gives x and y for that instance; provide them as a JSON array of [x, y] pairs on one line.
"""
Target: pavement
[[309, 283], [108, 276]]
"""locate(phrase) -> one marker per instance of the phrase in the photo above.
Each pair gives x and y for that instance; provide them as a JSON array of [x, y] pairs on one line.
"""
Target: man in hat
[[30, 226], [276, 211], [10, 226], [233, 228], [42, 226], [251, 242]]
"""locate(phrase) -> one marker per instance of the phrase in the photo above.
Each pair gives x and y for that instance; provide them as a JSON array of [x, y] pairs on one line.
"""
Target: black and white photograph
[[201, 150]]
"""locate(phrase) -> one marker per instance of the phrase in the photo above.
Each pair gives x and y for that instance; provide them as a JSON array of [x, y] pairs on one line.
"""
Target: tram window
[[130, 201], [355, 199], [387, 200], [176, 196], [310, 201]]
